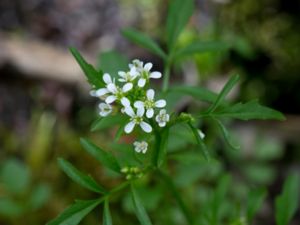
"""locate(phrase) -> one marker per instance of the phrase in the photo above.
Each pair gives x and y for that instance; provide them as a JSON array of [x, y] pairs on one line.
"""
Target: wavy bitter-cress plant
[[130, 101]]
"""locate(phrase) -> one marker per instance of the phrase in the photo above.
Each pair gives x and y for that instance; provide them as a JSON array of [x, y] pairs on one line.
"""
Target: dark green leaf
[[108, 121], [178, 15], [107, 220], [104, 157], [288, 202], [75, 213], [11, 208], [39, 196], [225, 90], [200, 47], [163, 144], [94, 77], [79, 177], [143, 41], [139, 208], [255, 200], [227, 135], [249, 110]]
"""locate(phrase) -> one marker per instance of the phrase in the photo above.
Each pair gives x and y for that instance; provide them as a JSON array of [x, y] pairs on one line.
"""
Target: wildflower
[[149, 104], [105, 109], [162, 118], [137, 64], [128, 77], [140, 146], [118, 93], [145, 74], [136, 119], [103, 91]]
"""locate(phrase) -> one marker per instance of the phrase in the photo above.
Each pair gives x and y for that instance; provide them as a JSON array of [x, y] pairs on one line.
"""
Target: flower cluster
[[130, 94]]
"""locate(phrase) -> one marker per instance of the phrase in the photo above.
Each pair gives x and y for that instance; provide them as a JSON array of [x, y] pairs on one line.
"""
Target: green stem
[[156, 150], [166, 76]]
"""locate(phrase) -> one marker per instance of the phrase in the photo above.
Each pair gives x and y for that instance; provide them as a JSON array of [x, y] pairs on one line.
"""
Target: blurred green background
[[45, 107]]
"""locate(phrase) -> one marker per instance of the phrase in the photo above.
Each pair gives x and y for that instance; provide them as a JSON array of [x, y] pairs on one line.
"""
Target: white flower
[[162, 118], [105, 109], [201, 134], [140, 146], [145, 74], [103, 91], [118, 93], [136, 119], [137, 64], [128, 77], [149, 104]]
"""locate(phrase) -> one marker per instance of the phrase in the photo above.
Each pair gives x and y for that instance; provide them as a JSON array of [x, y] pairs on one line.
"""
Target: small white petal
[[122, 80], [125, 102], [112, 88], [148, 66], [129, 127], [150, 113], [155, 75], [162, 111], [102, 91], [160, 103], [140, 111], [142, 82], [107, 78], [146, 127], [139, 104], [110, 99], [93, 93], [127, 87], [122, 74], [150, 94], [201, 134], [129, 111], [162, 124]]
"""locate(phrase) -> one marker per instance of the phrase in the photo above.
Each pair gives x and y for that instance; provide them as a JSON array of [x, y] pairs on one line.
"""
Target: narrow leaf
[[104, 157], [94, 77], [287, 203], [163, 147], [139, 208], [255, 200], [143, 41], [225, 90], [106, 122], [107, 220], [227, 135], [75, 213], [178, 16], [79, 177]]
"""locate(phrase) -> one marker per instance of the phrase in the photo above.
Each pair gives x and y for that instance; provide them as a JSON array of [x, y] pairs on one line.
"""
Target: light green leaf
[[143, 41], [225, 90], [287, 203], [94, 77], [255, 200], [104, 157], [80, 178], [139, 208], [178, 16], [200, 47], [107, 220], [75, 213], [249, 110], [108, 121], [227, 135]]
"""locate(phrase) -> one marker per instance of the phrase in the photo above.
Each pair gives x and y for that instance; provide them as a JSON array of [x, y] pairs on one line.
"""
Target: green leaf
[[249, 110], [163, 144], [107, 220], [39, 196], [199, 93], [108, 121], [75, 213], [199, 141], [143, 41], [227, 135], [80, 178], [139, 208], [93, 76], [112, 62], [225, 90], [104, 157], [255, 200], [11, 208], [200, 47], [287, 203], [178, 16]]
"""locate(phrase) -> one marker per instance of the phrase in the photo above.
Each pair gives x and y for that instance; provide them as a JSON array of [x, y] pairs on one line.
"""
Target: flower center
[[149, 104], [119, 93], [144, 74], [137, 119]]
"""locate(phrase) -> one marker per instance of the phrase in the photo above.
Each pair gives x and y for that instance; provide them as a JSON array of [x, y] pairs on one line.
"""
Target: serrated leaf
[[79, 177], [108, 121], [227, 135], [107, 220], [200, 47], [178, 15], [143, 41], [287, 203], [139, 208], [225, 90], [93, 76], [75, 213], [104, 157], [249, 110], [255, 200]]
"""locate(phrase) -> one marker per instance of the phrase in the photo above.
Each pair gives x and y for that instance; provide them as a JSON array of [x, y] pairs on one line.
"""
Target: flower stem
[[166, 76]]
